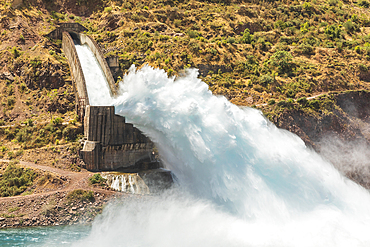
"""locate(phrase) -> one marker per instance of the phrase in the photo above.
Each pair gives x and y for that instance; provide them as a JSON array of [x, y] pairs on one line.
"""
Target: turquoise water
[[43, 236]]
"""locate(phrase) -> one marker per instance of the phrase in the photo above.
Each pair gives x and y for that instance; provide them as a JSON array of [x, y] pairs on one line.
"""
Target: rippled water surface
[[43, 236]]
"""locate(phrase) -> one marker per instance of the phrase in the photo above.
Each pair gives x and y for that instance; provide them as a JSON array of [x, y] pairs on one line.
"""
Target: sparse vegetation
[[98, 179], [15, 180], [81, 195]]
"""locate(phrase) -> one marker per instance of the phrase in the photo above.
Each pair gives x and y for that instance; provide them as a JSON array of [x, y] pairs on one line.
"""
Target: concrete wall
[[78, 77], [85, 39], [110, 142], [66, 27], [103, 126], [113, 64]]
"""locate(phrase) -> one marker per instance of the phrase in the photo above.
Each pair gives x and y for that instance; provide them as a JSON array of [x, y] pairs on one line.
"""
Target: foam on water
[[243, 182]]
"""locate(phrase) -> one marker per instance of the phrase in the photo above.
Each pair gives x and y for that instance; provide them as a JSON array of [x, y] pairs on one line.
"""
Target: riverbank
[[51, 209], [71, 200]]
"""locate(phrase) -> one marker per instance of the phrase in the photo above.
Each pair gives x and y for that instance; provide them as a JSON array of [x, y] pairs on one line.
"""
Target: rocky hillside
[[274, 55]]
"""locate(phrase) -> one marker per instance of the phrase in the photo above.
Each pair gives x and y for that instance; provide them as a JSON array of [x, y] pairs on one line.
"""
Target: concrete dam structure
[[110, 143]]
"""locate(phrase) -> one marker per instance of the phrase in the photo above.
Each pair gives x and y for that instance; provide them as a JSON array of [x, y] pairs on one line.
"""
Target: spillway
[[110, 142], [96, 83]]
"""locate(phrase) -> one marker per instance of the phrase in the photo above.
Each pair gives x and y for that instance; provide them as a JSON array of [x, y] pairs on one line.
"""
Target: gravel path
[[75, 180]]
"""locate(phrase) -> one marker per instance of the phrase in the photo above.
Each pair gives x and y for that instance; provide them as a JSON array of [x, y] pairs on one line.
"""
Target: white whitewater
[[126, 182], [96, 83], [243, 182]]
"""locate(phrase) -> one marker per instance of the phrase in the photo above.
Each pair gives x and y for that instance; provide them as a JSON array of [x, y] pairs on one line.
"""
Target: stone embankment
[[50, 209]]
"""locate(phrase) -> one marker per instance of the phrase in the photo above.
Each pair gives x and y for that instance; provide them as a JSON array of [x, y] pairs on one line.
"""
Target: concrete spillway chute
[[110, 143]]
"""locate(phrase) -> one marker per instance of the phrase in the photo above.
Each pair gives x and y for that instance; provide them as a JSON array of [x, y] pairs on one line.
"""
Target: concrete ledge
[[66, 27], [78, 77]]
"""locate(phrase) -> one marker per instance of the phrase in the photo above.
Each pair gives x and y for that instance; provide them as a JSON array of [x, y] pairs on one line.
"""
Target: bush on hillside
[[282, 60], [81, 195], [97, 179], [15, 180]]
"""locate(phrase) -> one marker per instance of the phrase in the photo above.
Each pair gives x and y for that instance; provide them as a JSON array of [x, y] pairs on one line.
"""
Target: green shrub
[[49, 127], [16, 53], [10, 90], [263, 44], [358, 49], [355, 18], [177, 23], [280, 24], [306, 49], [265, 80], [282, 103], [194, 46], [70, 132], [212, 51], [307, 6], [333, 32], [57, 121], [290, 102], [362, 67], [11, 155], [290, 93], [230, 40], [22, 87], [57, 16], [193, 34], [15, 180], [349, 26], [314, 104], [23, 135], [333, 2], [271, 102], [81, 195], [10, 102], [282, 60], [288, 40], [29, 122], [108, 9], [19, 152], [247, 38], [302, 101], [363, 3], [305, 27], [11, 210], [98, 179]]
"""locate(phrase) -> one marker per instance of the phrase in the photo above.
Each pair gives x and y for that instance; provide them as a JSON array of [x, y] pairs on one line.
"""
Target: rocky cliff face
[[349, 120], [341, 136]]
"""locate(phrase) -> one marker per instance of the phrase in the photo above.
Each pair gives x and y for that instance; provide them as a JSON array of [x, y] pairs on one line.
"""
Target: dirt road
[[75, 180], [53, 207]]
